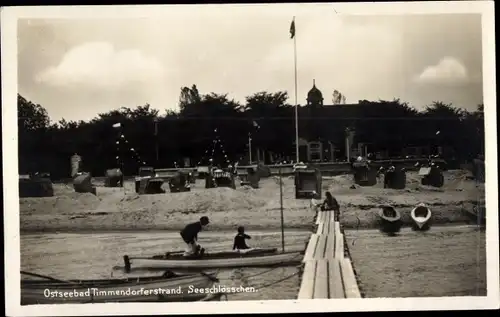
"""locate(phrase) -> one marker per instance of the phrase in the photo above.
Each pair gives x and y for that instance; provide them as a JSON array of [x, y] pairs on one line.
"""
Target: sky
[[77, 68]]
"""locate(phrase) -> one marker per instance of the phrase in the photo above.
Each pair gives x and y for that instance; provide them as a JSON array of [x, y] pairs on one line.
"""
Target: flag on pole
[[117, 125], [292, 29]]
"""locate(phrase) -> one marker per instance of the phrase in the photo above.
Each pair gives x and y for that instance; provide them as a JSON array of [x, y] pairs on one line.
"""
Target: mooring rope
[[262, 273], [278, 281], [267, 271], [357, 229]]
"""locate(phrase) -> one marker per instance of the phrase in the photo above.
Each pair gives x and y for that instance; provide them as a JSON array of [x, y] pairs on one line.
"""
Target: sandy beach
[[119, 209]]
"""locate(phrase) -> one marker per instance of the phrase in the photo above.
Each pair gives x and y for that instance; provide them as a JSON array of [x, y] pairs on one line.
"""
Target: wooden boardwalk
[[327, 272]]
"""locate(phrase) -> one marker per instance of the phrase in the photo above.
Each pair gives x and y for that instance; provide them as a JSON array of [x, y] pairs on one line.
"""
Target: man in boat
[[239, 240], [190, 236]]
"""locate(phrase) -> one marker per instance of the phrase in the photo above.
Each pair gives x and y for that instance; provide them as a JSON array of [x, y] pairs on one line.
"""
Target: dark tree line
[[162, 140]]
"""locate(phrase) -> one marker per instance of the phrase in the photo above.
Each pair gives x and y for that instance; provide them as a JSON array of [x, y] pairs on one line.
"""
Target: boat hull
[[178, 255], [237, 260], [421, 217], [390, 224], [142, 289]]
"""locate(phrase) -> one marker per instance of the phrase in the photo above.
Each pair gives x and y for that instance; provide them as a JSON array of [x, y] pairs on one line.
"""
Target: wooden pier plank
[[329, 216], [331, 228], [326, 228], [320, 248], [330, 246], [322, 218], [327, 272], [337, 227], [311, 247], [335, 285], [321, 228], [318, 215], [321, 280], [308, 278], [339, 242], [351, 288], [339, 246]]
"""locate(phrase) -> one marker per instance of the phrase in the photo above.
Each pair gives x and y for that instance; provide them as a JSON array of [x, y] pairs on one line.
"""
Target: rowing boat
[[421, 216], [227, 259], [176, 288], [389, 220]]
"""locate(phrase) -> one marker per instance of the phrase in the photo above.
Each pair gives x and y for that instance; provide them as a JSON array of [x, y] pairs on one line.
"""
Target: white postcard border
[[9, 17]]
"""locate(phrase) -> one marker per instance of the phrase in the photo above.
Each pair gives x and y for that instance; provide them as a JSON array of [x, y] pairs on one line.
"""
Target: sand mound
[[115, 200], [339, 181], [123, 209], [68, 203], [203, 201]]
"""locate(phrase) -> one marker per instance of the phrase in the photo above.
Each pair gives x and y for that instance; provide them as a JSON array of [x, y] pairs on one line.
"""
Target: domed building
[[322, 128], [335, 131], [314, 96]]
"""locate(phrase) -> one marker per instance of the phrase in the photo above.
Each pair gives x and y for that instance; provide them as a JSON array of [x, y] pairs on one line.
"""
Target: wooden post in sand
[[281, 209], [126, 260]]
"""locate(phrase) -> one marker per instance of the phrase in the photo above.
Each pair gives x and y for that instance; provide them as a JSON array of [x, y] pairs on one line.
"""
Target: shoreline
[[455, 225], [161, 231], [262, 220], [122, 210]]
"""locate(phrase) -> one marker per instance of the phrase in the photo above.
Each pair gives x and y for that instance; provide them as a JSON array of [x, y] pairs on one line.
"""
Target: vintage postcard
[[267, 158]]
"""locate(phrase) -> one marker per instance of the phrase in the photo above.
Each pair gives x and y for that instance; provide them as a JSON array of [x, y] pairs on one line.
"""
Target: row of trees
[[162, 139]]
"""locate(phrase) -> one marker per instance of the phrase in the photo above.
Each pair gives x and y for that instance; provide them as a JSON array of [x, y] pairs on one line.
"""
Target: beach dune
[[115, 209]]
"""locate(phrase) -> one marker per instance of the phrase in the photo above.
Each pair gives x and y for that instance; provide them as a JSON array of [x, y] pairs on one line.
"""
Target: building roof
[[314, 95]]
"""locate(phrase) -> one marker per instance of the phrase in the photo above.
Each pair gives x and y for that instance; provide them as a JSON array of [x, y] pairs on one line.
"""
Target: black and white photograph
[[249, 158]]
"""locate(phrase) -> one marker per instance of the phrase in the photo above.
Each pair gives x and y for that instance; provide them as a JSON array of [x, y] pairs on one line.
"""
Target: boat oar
[[126, 258], [173, 252], [48, 277]]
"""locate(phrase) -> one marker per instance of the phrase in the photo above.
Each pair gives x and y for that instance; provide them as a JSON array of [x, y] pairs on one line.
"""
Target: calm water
[[85, 256], [444, 261]]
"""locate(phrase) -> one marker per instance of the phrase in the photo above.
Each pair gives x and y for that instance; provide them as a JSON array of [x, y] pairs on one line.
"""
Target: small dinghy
[[421, 216], [255, 257], [389, 220], [170, 287]]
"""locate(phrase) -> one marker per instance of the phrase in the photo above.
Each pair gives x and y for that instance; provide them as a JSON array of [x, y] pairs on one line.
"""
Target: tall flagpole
[[296, 104]]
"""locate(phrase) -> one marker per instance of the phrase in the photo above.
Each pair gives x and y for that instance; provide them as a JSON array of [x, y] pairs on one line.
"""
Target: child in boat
[[239, 240], [190, 236]]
